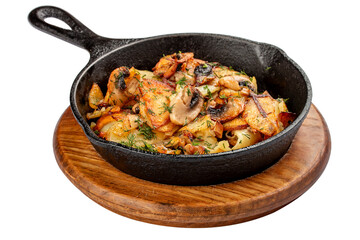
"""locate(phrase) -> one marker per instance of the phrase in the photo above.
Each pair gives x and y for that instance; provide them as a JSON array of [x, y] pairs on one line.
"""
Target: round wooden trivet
[[195, 206]]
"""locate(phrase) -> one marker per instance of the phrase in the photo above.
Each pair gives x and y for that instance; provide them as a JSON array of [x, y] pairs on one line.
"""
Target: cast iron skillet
[[274, 70]]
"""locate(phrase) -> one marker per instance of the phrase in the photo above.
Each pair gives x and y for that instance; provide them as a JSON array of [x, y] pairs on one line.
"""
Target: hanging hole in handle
[[61, 24], [57, 22], [73, 32]]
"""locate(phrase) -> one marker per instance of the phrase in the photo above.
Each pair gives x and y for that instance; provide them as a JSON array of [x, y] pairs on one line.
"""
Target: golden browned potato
[[155, 96], [244, 138], [204, 125], [95, 96], [235, 124], [222, 146], [261, 114]]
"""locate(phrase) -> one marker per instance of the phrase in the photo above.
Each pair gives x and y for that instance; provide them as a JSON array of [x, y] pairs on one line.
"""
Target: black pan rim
[[95, 139]]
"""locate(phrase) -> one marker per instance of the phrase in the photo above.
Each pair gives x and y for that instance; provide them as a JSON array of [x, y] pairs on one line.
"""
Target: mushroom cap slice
[[208, 90], [122, 86], [233, 105], [167, 65], [186, 105], [203, 73], [234, 80]]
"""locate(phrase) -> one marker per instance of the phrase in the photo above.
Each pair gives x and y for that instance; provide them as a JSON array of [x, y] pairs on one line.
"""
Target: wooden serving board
[[195, 206]]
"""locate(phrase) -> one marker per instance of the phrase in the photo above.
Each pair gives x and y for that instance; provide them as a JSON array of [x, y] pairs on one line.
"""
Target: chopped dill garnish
[[151, 112], [118, 78], [209, 145], [188, 92], [182, 82], [146, 131], [246, 135], [130, 142], [167, 108], [208, 91], [195, 142], [243, 73], [147, 147]]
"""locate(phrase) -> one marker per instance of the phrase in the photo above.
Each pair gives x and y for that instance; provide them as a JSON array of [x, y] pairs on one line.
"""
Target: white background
[[38, 202]]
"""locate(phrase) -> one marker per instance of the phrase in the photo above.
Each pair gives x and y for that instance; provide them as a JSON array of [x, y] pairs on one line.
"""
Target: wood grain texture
[[195, 206]]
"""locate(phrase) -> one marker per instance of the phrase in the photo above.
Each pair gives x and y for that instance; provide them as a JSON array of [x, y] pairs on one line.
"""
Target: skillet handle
[[79, 34]]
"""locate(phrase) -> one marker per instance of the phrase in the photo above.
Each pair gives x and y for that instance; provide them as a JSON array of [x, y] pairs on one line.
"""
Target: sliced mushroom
[[136, 108], [122, 86], [168, 65], [190, 65], [238, 82], [203, 73], [183, 57], [232, 105], [234, 80], [120, 78], [183, 78], [203, 70], [185, 71], [186, 105]]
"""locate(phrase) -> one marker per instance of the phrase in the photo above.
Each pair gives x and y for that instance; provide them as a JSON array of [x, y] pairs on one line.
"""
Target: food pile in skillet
[[185, 106]]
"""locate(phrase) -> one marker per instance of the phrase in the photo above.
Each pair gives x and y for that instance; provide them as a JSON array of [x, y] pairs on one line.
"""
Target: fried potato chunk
[[95, 96], [268, 124], [235, 124], [155, 96], [245, 138]]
